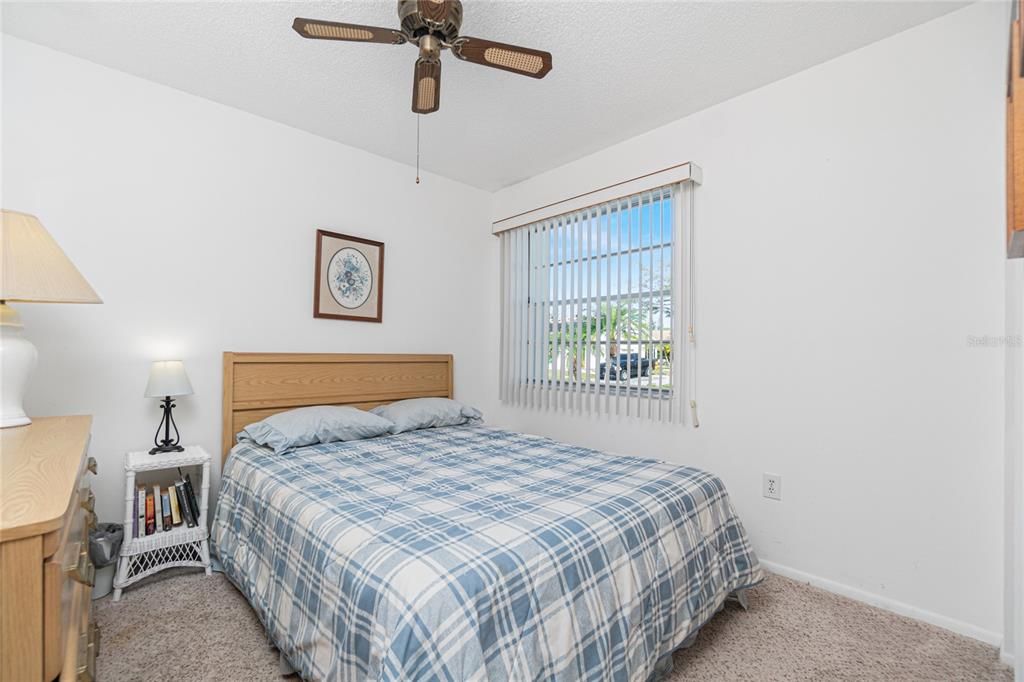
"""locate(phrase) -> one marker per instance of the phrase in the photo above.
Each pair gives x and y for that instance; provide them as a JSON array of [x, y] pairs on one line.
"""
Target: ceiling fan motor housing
[[439, 18]]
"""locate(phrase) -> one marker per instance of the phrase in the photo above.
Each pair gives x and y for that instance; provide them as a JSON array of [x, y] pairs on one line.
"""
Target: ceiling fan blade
[[426, 87], [534, 63], [332, 30]]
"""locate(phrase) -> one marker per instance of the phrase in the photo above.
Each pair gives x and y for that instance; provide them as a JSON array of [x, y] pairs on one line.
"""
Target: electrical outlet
[[772, 486]]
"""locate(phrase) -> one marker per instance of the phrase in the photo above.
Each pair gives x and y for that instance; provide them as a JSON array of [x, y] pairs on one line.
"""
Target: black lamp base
[[166, 423], [166, 448]]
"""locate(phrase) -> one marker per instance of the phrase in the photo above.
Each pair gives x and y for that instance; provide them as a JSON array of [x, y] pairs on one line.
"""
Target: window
[[592, 308]]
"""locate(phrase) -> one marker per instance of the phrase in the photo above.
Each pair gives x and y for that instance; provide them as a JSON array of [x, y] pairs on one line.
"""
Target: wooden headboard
[[257, 385]]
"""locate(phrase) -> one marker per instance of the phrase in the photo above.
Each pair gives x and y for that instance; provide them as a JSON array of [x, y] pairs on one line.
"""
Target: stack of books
[[162, 508]]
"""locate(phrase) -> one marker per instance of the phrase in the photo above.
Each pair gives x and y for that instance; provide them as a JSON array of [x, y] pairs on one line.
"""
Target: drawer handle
[[88, 650], [89, 503], [84, 674], [91, 465], [83, 571], [83, 671]]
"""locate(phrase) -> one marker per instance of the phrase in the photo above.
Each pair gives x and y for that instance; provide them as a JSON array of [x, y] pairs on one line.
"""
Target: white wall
[[195, 223], [1014, 471], [850, 238]]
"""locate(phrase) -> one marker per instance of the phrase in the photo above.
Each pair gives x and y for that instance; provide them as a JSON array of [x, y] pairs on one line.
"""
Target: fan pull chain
[[417, 149]]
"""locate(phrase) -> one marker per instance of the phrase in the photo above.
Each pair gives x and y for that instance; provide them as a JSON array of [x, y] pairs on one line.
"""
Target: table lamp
[[167, 380], [33, 269]]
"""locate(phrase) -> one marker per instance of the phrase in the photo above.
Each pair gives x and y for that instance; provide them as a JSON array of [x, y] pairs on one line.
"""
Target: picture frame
[[349, 278]]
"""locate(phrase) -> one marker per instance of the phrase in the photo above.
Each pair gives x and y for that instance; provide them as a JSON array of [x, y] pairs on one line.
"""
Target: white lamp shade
[[34, 268], [168, 378]]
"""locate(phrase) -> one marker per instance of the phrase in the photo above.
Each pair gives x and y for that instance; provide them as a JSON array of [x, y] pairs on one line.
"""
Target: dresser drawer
[[66, 572], [82, 498], [82, 639]]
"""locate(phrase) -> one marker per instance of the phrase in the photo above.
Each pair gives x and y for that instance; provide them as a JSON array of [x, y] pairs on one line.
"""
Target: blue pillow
[[426, 413], [292, 429]]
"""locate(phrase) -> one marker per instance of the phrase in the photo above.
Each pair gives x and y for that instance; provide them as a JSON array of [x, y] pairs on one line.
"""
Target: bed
[[464, 552]]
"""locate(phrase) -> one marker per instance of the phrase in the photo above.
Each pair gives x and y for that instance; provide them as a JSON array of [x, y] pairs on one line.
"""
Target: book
[[135, 516], [158, 509], [150, 513], [186, 511], [172, 492], [165, 505], [140, 503], [190, 496]]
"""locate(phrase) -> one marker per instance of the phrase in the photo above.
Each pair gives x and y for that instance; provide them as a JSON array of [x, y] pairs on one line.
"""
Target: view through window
[[599, 297]]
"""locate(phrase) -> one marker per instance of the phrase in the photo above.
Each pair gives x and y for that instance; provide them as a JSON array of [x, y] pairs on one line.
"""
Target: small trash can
[[104, 544]]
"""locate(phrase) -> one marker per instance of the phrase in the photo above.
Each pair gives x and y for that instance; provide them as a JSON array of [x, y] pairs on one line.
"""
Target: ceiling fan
[[432, 25]]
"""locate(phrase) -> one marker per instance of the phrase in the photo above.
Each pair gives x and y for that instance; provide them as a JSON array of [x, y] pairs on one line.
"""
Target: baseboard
[[957, 626], [1006, 657]]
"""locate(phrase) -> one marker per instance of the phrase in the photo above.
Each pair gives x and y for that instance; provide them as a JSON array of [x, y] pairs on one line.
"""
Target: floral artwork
[[349, 278]]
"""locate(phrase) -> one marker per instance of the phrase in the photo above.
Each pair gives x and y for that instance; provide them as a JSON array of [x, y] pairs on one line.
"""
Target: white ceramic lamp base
[[17, 360]]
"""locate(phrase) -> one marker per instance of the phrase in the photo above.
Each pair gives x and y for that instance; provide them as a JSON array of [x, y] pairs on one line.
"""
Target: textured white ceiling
[[620, 68]]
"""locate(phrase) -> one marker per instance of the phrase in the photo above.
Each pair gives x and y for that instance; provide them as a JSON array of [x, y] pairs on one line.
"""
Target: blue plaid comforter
[[473, 553]]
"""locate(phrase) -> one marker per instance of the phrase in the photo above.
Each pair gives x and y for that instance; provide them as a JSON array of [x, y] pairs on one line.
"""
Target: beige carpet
[[192, 627]]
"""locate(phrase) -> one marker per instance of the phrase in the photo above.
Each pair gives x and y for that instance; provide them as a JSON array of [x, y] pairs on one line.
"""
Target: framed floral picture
[[349, 278]]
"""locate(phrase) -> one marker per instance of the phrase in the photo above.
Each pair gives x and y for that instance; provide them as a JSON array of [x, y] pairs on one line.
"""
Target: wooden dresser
[[46, 511]]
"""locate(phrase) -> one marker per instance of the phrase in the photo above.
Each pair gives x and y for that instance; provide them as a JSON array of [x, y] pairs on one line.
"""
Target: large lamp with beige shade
[[33, 269]]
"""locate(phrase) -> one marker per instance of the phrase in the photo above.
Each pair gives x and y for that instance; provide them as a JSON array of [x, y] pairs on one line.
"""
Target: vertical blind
[[597, 308]]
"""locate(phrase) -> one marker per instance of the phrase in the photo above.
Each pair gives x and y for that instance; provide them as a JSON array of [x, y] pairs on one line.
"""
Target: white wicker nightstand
[[182, 546]]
